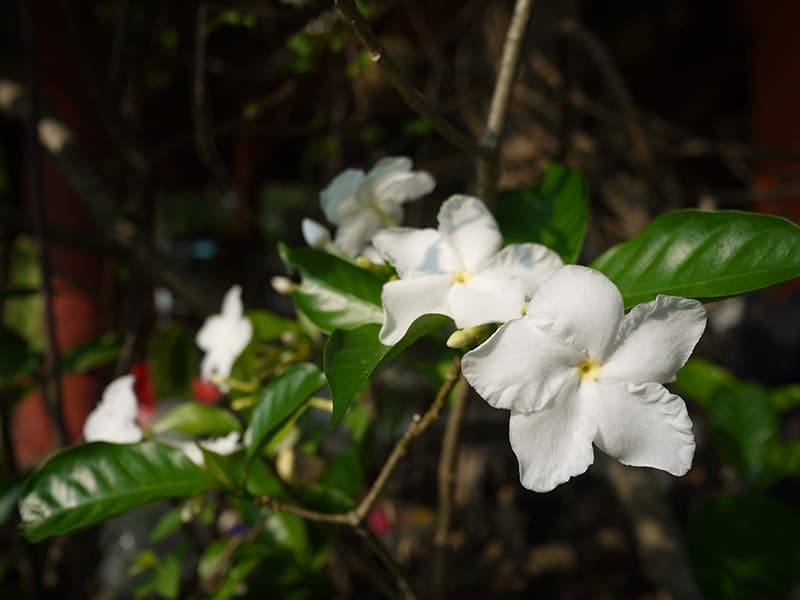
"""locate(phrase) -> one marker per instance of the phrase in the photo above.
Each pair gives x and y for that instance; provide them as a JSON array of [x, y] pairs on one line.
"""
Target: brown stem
[[489, 163], [447, 478], [417, 426], [411, 95]]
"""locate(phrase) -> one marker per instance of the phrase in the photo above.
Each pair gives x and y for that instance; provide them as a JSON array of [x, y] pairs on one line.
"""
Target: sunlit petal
[[405, 300], [655, 340], [489, 297], [338, 200], [415, 252], [467, 224], [532, 264], [641, 425]]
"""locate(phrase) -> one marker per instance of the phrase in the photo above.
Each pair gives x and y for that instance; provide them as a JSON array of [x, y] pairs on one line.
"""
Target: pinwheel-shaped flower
[[114, 418], [224, 336], [576, 370], [458, 270], [360, 205]]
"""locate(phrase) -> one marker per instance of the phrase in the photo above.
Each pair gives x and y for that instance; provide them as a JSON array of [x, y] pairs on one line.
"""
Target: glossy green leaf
[[351, 356], [87, 484], [704, 255], [193, 418], [554, 213], [100, 351], [745, 547], [278, 400], [9, 494], [334, 294], [172, 359], [786, 398], [168, 524]]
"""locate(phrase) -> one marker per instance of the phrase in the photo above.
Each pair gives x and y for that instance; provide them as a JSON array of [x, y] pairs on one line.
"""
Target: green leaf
[[351, 356], [16, 357], [700, 380], [10, 491], [745, 425], [100, 351], [553, 213], [90, 483], [172, 358], [786, 398], [269, 326], [193, 418], [334, 294], [704, 255], [278, 400], [745, 547], [167, 524], [165, 580]]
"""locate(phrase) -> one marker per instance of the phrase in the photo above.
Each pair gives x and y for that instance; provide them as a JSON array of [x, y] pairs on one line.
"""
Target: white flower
[[315, 234], [360, 205], [227, 444], [576, 370], [114, 418], [224, 336], [458, 270]]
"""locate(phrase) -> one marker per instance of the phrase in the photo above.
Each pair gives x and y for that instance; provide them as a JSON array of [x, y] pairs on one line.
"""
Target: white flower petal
[[466, 223], [532, 264], [227, 444], [232, 303], [641, 425], [403, 187], [520, 368], [120, 399], [552, 445], [583, 305], [415, 252], [315, 234], [338, 200], [489, 297], [355, 233], [655, 340], [405, 300], [114, 418], [193, 452]]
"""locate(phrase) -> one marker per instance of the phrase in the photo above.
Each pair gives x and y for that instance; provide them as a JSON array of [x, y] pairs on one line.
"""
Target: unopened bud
[[470, 336], [364, 262], [283, 285]]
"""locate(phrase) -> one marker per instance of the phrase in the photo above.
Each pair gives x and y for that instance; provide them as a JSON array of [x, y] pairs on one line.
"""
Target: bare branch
[[412, 96], [417, 426], [489, 163]]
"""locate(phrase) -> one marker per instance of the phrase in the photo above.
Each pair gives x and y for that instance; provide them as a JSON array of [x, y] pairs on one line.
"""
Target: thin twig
[[417, 426], [51, 386], [411, 95], [380, 550], [489, 164], [447, 477]]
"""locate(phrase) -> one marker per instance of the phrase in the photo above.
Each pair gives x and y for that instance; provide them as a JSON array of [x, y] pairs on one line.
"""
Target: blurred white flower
[[576, 370], [223, 337], [315, 234], [458, 270], [114, 418], [227, 444], [361, 204]]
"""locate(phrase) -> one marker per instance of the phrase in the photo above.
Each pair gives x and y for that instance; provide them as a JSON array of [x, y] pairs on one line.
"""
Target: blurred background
[[182, 140]]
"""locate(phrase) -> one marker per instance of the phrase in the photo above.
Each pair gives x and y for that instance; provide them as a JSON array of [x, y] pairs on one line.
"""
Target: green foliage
[[554, 213], [744, 420], [191, 418], [278, 400], [745, 547], [87, 484], [102, 350], [351, 356], [165, 575], [334, 294], [704, 255], [10, 490], [172, 359]]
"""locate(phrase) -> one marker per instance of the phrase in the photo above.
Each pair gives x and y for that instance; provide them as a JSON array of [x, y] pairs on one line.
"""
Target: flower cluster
[[362, 204], [572, 368], [223, 337]]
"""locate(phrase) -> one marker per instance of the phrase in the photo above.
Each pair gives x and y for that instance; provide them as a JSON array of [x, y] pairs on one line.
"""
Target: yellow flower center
[[462, 276], [589, 370]]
